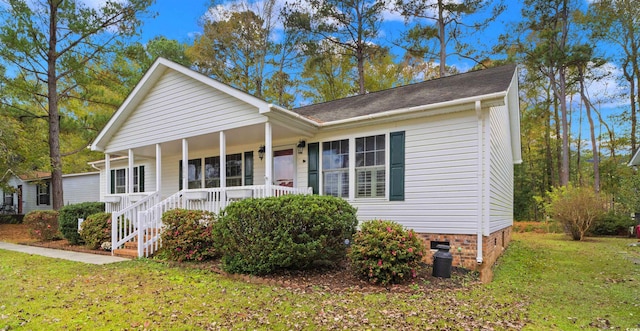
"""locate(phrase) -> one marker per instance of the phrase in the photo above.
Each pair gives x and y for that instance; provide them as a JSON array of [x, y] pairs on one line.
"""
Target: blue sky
[[179, 20]]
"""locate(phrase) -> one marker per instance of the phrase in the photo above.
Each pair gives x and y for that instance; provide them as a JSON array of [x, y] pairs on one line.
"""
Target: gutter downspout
[[480, 187]]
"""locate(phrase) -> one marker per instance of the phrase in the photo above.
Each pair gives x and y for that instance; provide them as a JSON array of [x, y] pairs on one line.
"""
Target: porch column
[[223, 160], [159, 169], [107, 169], [268, 162], [185, 164], [130, 173]]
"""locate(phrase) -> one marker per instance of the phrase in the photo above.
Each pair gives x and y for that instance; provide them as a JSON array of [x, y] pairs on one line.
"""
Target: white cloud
[[603, 87]]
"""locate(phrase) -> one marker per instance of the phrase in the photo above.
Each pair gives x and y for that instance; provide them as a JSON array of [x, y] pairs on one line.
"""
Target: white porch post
[[268, 162], [107, 169], [223, 160], [130, 173], [185, 164], [158, 169]]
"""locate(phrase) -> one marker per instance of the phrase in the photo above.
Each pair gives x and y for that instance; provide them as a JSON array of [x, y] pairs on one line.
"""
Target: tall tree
[[618, 22], [50, 43], [352, 25], [549, 21], [445, 21]]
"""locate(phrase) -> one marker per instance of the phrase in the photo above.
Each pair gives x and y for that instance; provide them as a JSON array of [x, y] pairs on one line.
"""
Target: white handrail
[[124, 223], [147, 223]]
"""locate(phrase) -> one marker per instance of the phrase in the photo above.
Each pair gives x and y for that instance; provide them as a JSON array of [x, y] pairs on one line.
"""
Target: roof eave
[[439, 108]]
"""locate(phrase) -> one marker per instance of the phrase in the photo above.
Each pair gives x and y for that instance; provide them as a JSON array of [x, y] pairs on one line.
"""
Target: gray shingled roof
[[470, 84]]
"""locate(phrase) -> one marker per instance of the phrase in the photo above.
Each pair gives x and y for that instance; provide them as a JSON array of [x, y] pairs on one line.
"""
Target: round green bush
[[187, 235], [68, 218], [42, 224], [383, 252], [260, 236], [96, 229]]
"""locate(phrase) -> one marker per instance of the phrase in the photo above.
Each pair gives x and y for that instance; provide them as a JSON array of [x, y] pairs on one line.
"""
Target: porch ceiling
[[249, 135]]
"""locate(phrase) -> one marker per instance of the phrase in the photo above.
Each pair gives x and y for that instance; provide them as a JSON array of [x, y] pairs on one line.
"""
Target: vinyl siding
[[82, 188], [441, 186], [179, 107], [501, 171]]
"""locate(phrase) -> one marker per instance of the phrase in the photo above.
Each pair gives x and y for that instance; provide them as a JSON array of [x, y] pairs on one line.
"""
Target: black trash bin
[[442, 262]]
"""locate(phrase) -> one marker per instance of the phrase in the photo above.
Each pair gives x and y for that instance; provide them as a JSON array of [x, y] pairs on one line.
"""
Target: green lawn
[[542, 282]]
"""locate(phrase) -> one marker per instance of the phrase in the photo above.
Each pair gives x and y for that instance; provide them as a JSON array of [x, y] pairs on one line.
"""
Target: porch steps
[[130, 249]]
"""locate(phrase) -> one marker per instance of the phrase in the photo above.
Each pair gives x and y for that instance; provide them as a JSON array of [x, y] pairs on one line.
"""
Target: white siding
[[501, 171], [81, 188], [178, 107], [441, 183]]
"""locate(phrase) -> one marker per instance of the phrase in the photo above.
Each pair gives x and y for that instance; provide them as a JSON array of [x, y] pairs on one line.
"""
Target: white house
[[23, 194], [435, 156]]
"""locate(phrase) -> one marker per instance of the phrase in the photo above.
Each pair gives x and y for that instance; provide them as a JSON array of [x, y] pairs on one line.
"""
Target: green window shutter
[[113, 181], [314, 165], [180, 176], [248, 168], [141, 179], [396, 166]]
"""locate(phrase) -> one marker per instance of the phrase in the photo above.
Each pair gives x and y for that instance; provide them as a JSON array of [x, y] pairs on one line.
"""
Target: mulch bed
[[336, 279]]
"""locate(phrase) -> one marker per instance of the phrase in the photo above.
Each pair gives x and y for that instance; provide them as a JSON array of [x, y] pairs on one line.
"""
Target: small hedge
[[383, 252], [612, 224], [68, 219], [187, 235], [42, 224], [260, 236], [96, 230], [11, 219]]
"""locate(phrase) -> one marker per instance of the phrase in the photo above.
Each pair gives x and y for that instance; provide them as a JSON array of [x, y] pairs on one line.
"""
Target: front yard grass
[[542, 282]]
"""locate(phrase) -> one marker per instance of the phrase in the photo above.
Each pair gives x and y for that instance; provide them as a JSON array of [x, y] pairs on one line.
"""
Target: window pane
[[195, 173], [370, 167]]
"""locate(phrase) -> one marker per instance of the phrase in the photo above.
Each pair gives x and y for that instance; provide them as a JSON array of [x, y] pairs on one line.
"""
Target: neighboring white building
[[435, 156], [28, 193]]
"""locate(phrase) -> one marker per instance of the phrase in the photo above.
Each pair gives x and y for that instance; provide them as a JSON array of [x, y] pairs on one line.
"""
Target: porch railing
[[149, 221], [125, 223]]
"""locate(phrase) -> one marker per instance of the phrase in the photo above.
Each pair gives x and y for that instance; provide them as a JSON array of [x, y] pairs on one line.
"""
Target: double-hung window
[[119, 180], [335, 168], [370, 167], [233, 172], [44, 194]]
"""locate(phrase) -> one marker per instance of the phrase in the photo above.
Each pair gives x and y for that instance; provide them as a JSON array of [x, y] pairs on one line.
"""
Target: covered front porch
[[142, 183]]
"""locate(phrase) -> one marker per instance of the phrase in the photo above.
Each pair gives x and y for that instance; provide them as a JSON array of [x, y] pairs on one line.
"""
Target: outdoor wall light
[[261, 152], [300, 146]]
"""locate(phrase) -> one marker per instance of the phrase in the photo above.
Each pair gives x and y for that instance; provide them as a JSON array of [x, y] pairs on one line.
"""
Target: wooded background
[[67, 65]]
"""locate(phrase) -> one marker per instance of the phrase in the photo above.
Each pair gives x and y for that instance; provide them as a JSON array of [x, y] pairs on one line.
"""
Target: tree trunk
[[54, 115], [594, 146], [441, 38]]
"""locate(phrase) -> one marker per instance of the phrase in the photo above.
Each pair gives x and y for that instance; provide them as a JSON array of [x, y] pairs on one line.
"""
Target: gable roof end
[[155, 72]]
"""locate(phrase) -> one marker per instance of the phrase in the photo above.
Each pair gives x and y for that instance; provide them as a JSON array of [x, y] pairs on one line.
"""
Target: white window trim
[[352, 164]]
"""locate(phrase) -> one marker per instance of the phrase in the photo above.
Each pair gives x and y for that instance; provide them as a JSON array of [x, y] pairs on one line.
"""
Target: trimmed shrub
[[383, 252], [96, 229], [68, 219], [11, 219], [612, 224], [261, 236], [187, 235], [42, 224]]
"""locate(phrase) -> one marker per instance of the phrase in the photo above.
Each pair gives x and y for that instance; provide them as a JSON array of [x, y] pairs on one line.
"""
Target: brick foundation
[[464, 248]]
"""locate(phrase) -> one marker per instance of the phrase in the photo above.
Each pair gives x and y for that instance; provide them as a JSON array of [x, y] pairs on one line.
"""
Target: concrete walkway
[[61, 254]]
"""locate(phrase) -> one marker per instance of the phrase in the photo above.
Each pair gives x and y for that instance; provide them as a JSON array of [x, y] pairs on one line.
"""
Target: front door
[[19, 199], [284, 167]]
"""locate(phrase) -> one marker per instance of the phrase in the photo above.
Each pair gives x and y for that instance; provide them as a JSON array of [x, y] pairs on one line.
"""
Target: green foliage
[[260, 236], [96, 229], [43, 224], [69, 215], [576, 208], [383, 252], [187, 235], [11, 219], [612, 224]]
